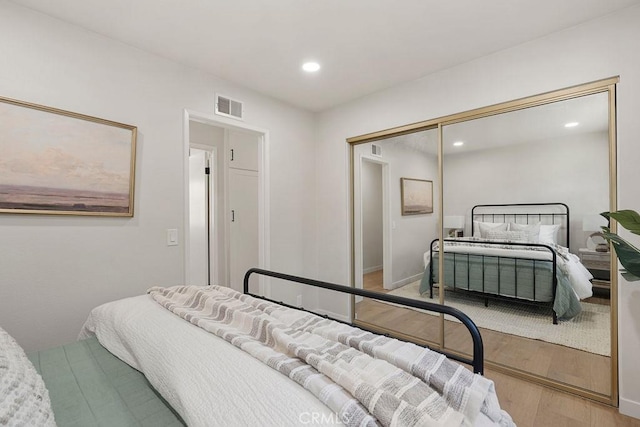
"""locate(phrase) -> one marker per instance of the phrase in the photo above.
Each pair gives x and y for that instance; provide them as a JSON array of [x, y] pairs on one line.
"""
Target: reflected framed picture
[[59, 162], [416, 196]]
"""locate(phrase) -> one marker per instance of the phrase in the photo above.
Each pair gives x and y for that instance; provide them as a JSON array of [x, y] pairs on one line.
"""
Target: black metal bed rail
[[477, 361], [553, 261]]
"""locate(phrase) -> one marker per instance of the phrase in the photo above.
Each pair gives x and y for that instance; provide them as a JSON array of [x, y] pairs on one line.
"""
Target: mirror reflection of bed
[[519, 157]]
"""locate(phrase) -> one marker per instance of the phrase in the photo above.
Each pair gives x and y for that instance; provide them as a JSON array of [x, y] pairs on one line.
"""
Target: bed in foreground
[[218, 357]]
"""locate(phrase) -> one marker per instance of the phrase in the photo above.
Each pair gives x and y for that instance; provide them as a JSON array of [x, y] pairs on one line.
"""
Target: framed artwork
[[58, 162], [417, 196]]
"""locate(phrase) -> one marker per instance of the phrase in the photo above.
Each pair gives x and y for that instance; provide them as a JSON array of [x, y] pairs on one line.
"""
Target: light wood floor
[[528, 403], [532, 405]]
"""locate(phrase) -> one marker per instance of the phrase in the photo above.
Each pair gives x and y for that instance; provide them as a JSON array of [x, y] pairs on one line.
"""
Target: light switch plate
[[172, 237]]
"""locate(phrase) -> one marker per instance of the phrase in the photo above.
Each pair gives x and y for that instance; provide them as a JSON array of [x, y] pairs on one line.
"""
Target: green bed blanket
[[89, 386]]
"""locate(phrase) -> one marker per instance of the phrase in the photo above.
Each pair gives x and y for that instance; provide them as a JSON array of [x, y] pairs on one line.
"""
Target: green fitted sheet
[[89, 386]]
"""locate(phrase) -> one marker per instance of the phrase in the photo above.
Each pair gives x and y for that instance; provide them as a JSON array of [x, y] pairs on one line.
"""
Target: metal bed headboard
[[478, 349], [556, 213]]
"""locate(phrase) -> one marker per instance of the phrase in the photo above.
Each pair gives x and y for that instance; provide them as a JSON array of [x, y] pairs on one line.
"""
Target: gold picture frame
[[59, 162], [416, 196]]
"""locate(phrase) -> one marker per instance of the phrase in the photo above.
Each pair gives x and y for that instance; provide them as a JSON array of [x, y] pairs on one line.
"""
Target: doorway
[[203, 264], [226, 209], [372, 236]]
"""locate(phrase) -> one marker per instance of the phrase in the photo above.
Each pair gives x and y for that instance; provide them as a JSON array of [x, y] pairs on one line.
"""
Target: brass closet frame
[[600, 86]]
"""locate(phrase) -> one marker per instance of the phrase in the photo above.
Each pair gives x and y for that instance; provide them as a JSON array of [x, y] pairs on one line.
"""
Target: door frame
[[264, 259]]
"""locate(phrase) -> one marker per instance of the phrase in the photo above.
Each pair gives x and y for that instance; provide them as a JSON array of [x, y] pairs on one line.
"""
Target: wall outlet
[[299, 300]]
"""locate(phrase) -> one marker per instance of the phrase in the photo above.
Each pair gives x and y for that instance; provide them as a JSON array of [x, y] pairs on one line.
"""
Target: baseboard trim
[[372, 269], [629, 408], [406, 281]]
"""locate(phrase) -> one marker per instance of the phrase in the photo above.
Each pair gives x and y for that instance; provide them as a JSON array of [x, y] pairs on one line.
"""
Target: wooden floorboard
[[533, 405], [528, 403]]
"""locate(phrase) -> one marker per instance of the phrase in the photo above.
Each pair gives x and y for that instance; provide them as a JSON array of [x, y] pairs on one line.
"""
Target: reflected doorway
[[372, 223], [372, 226]]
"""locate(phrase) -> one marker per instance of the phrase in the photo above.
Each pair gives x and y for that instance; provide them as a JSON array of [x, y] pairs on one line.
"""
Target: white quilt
[[235, 389]]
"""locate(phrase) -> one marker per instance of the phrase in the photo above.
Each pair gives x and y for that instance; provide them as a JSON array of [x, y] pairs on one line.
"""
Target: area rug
[[589, 331]]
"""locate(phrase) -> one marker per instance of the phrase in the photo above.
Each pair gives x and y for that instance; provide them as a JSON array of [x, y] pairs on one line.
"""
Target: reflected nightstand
[[599, 265]]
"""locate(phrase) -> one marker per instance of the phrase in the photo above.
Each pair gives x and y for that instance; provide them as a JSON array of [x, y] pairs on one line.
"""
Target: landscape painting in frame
[[417, 196], [58, 162]]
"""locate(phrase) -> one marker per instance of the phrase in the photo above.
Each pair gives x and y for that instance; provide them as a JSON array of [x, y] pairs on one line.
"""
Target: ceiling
[[539, 124], [363, 46]]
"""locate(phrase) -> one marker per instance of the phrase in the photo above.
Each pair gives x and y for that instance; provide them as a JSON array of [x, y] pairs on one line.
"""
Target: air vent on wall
[[376, 150], [228, 107]]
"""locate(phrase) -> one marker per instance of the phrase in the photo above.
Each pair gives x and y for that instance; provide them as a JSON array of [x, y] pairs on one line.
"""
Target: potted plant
[[628, 254]]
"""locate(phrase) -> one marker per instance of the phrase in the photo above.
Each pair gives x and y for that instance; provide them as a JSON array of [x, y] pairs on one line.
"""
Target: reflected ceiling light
[[310, 67], [458, 144], [571, 124]]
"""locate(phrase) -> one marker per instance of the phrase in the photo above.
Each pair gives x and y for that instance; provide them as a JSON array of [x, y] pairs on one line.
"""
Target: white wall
[[572, 170], [54, 269], [592, 51], [412, 233]]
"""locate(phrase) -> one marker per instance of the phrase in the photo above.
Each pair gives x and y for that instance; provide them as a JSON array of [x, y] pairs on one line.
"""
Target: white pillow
[[549, 234], [485, 227], [476, 229], [510, 236], [532, 230]]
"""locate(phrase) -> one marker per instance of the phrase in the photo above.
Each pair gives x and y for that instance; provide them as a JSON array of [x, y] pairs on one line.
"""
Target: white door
[[199, 267], [243, 242]]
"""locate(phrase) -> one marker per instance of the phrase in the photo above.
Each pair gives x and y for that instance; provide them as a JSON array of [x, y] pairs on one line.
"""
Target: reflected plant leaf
[[628, 254], [626, 218]]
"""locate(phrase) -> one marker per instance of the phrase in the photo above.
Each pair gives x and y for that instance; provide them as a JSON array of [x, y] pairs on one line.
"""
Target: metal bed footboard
[[477, 361], [553, 261]]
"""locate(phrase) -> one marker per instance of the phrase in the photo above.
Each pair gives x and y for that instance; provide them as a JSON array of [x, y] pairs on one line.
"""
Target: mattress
[[205, 379], [89, 386], [208, 381]]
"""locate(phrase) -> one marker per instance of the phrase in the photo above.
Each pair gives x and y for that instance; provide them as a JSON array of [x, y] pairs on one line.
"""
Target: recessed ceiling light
[[311, 67], [458, 144], [571, 124]]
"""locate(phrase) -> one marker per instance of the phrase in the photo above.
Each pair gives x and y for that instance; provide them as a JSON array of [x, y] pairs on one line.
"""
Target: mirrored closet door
[[523, 184]]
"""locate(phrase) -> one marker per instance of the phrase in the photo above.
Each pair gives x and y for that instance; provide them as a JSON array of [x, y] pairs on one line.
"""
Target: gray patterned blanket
[[367, 379]]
